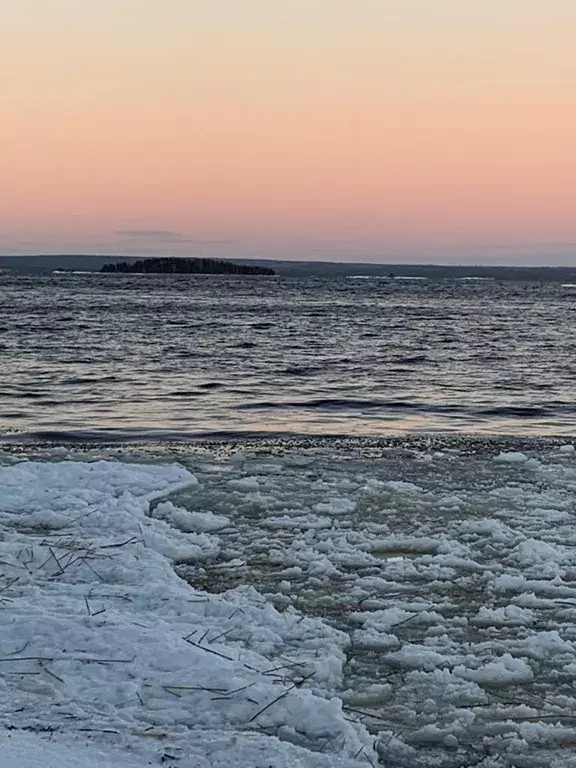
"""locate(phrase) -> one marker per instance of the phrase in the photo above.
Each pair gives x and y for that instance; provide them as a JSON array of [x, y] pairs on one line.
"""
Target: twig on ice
[[171, 688], [222, 634], [208, 650], [83, 560], [80, 517], [122, 544], [271, 703], [282, 695], [23, 648], [204, 635], [30, 658], [90, 612], [45, 668]]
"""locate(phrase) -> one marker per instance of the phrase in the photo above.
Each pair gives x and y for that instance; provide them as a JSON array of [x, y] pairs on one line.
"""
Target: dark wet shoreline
[[366, 447]]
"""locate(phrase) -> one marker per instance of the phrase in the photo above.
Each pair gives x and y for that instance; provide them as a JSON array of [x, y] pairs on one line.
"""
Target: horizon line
[[410, 264]]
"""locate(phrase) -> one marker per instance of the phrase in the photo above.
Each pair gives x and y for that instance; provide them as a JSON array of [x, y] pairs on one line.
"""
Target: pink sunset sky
[[376, 130]]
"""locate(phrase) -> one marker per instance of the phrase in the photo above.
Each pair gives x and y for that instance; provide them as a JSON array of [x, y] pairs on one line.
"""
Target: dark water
[[146, 357]]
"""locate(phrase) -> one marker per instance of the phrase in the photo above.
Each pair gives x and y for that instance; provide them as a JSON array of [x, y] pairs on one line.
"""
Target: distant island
[[45, 264], [186, 267]]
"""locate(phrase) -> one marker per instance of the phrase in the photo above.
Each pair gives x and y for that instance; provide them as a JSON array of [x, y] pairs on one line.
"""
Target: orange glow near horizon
[[349, 130]]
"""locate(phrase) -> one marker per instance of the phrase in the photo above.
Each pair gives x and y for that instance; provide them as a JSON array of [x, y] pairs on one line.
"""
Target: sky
[[369, 130]]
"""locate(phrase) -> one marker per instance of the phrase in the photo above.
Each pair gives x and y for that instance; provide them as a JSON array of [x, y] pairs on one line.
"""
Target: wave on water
[[335, 403], [327, 403], [305, 356], [409, 277]]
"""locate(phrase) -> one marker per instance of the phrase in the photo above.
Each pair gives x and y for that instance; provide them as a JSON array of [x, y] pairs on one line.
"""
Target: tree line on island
[[186, 267]]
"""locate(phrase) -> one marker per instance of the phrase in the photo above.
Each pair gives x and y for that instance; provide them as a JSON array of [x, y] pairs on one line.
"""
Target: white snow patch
[[373, 640], [245, 484], [199, 522], [511, 457], [536, 552], [506, 671], [507, 616], [102, 634], [399, 486], [335, 507]]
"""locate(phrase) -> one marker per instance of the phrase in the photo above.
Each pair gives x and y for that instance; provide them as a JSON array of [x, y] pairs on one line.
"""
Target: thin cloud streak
[[154, 234], [167, 236]]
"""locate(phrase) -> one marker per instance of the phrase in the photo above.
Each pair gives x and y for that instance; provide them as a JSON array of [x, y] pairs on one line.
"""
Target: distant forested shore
[[186, 267], [48, 263]]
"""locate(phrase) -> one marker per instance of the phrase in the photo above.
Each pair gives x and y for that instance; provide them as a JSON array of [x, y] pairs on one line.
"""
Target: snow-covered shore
[[110, 657], [427, 591]]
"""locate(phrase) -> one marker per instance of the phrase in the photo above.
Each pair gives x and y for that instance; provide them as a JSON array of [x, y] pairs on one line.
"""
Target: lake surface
[[148, 357]]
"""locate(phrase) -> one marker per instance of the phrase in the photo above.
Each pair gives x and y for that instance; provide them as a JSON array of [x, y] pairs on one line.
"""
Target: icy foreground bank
[[101, 641]]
